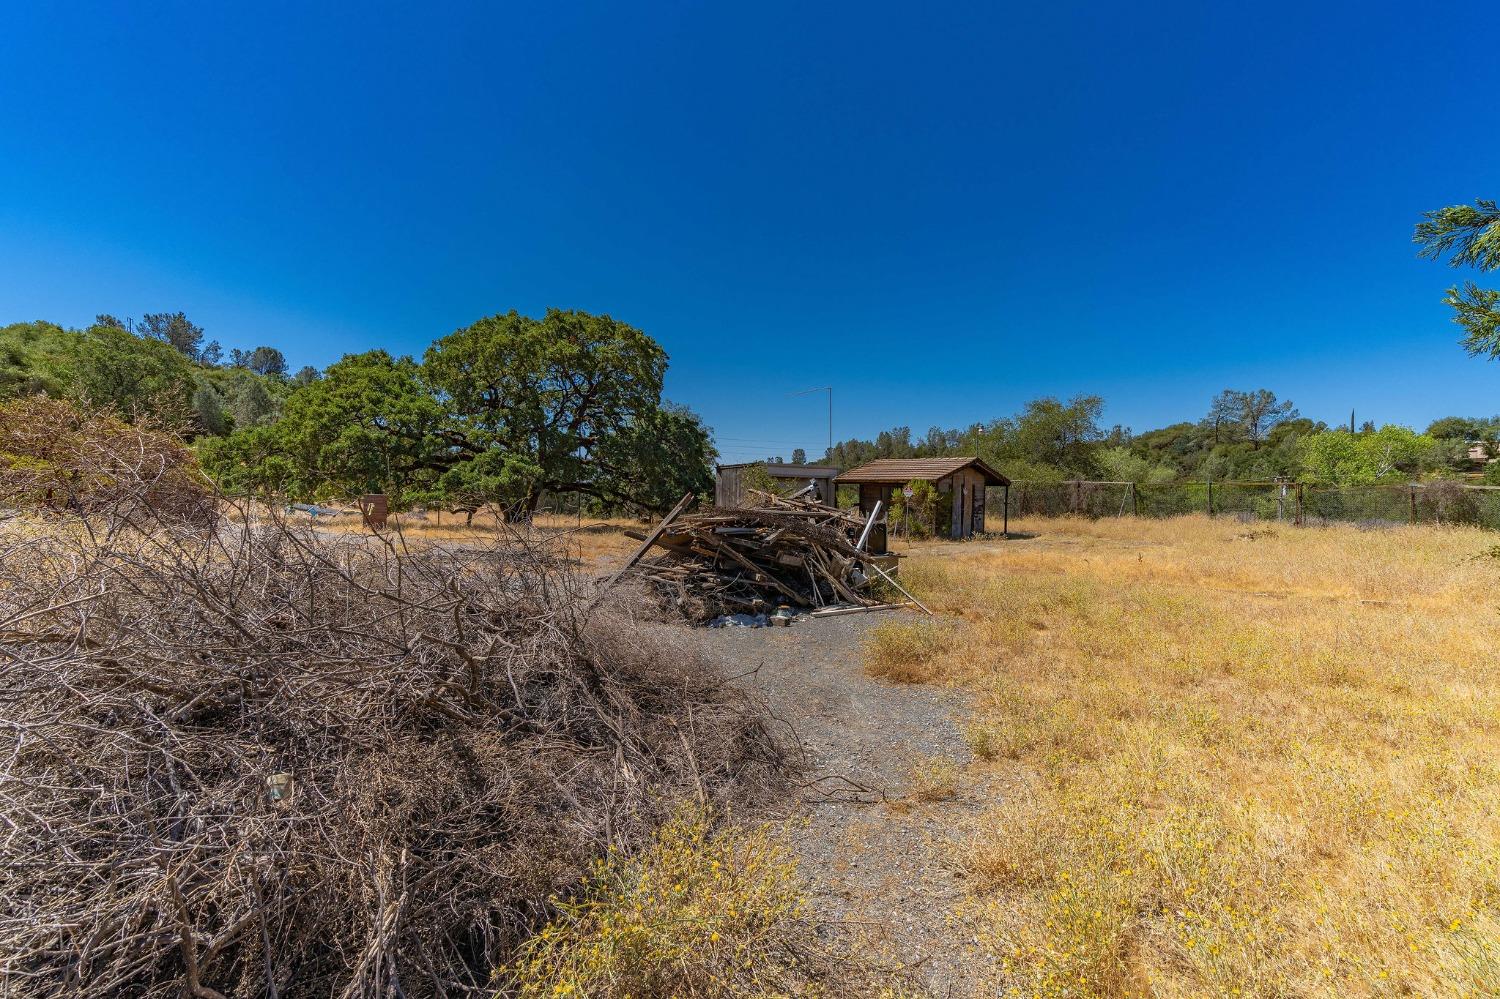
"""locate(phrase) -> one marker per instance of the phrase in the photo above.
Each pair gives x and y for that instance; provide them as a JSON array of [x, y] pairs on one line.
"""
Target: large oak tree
[[503, 411], [552, 395]]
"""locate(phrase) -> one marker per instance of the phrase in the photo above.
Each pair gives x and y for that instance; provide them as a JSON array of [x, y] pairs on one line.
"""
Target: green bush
[[918, 515]]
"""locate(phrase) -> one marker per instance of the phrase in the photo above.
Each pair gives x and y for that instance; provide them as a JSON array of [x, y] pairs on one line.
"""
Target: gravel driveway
[[877, 857]]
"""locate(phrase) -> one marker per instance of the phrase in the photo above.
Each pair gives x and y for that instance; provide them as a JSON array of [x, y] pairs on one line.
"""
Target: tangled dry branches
[[251, 760], [55, 456]]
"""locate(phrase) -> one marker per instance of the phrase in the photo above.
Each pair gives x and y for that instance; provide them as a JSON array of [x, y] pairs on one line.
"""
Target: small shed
[[730, 485], [964, 480]]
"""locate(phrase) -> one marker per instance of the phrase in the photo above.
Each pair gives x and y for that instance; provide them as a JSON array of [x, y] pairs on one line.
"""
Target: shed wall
[[730, 489], [964, 492]]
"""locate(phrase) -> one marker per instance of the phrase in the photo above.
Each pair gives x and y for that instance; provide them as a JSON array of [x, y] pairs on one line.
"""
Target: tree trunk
[[522, 510]]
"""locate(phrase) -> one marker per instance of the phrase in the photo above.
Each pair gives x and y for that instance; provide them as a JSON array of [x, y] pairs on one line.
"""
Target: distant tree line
[[512, 408], [1243, 436]]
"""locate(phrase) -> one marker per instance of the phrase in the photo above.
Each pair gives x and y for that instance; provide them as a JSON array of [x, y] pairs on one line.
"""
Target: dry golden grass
[[907, 652], [700, 913], [589, 539], [934, 778], [1241, 759]]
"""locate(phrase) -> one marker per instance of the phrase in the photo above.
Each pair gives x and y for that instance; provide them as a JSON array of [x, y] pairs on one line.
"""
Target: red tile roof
[[902, 470]]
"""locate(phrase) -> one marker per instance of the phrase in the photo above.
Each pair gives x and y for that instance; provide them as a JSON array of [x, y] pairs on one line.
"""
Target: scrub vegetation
[[702, 911], [1235, 762]]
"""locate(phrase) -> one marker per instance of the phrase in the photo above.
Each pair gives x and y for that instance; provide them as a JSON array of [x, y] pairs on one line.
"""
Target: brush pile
[[793, 551], [55, 457], [255, 761]]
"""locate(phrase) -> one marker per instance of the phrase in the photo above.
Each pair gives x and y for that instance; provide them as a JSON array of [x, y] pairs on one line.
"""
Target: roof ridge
[[887, 469]]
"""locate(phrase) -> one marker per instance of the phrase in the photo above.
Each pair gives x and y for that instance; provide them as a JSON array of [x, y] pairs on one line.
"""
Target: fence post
[[1210, 484], [1411, 504], [1135, 503], [1299, 504], [1077, 495]]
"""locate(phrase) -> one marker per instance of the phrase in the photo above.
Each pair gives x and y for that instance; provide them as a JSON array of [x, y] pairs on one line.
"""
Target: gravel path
[[876, 855]]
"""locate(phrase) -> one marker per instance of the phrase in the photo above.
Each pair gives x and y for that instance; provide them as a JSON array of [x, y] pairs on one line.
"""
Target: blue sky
[[940, 210]]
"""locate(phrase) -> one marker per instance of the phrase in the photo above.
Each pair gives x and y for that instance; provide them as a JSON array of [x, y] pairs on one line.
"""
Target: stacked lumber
[[795, 551]]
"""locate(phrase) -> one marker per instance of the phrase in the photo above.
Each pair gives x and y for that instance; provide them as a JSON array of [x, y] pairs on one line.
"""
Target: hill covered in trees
[[160, 365], [503, 411]]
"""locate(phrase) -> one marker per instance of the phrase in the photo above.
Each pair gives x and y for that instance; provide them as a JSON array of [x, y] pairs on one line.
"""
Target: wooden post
[[1411, 504], [1135, 502], [1210, 484], [1299, 504], [1006, 529], [1077, 496]]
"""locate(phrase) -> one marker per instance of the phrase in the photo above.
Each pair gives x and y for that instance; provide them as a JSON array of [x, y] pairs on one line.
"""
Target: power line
[[829, 390]]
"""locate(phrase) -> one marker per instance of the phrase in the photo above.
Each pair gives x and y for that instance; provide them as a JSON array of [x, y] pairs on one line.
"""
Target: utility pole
[[829, 390]]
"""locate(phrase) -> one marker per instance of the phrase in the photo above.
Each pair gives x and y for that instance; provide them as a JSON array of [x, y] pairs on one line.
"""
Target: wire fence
[[1290, 502]]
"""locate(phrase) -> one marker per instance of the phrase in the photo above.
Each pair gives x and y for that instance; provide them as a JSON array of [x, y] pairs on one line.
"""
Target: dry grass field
[[589, 539], [1237, 759]]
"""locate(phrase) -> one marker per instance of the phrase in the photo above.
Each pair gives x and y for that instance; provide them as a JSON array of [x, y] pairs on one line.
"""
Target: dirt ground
[[876, 855]]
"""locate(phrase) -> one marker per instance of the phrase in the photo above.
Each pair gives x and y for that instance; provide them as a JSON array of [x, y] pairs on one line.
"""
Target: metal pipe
[[869, 526], [890, 579]]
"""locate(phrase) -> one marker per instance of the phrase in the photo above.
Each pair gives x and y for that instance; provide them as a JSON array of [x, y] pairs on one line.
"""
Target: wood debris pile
[[793, 551]]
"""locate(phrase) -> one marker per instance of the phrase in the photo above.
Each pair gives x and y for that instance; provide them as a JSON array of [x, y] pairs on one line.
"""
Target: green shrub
[[918, 515]]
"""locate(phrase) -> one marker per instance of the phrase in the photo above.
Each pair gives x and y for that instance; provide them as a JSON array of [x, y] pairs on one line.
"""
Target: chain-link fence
[[1292, 502], [1057, 499]]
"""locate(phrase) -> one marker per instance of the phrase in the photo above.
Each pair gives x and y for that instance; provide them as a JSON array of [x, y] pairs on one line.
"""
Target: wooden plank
[[834, 575], [682, 505], [817, 591], [837, 611], [755, 570]]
